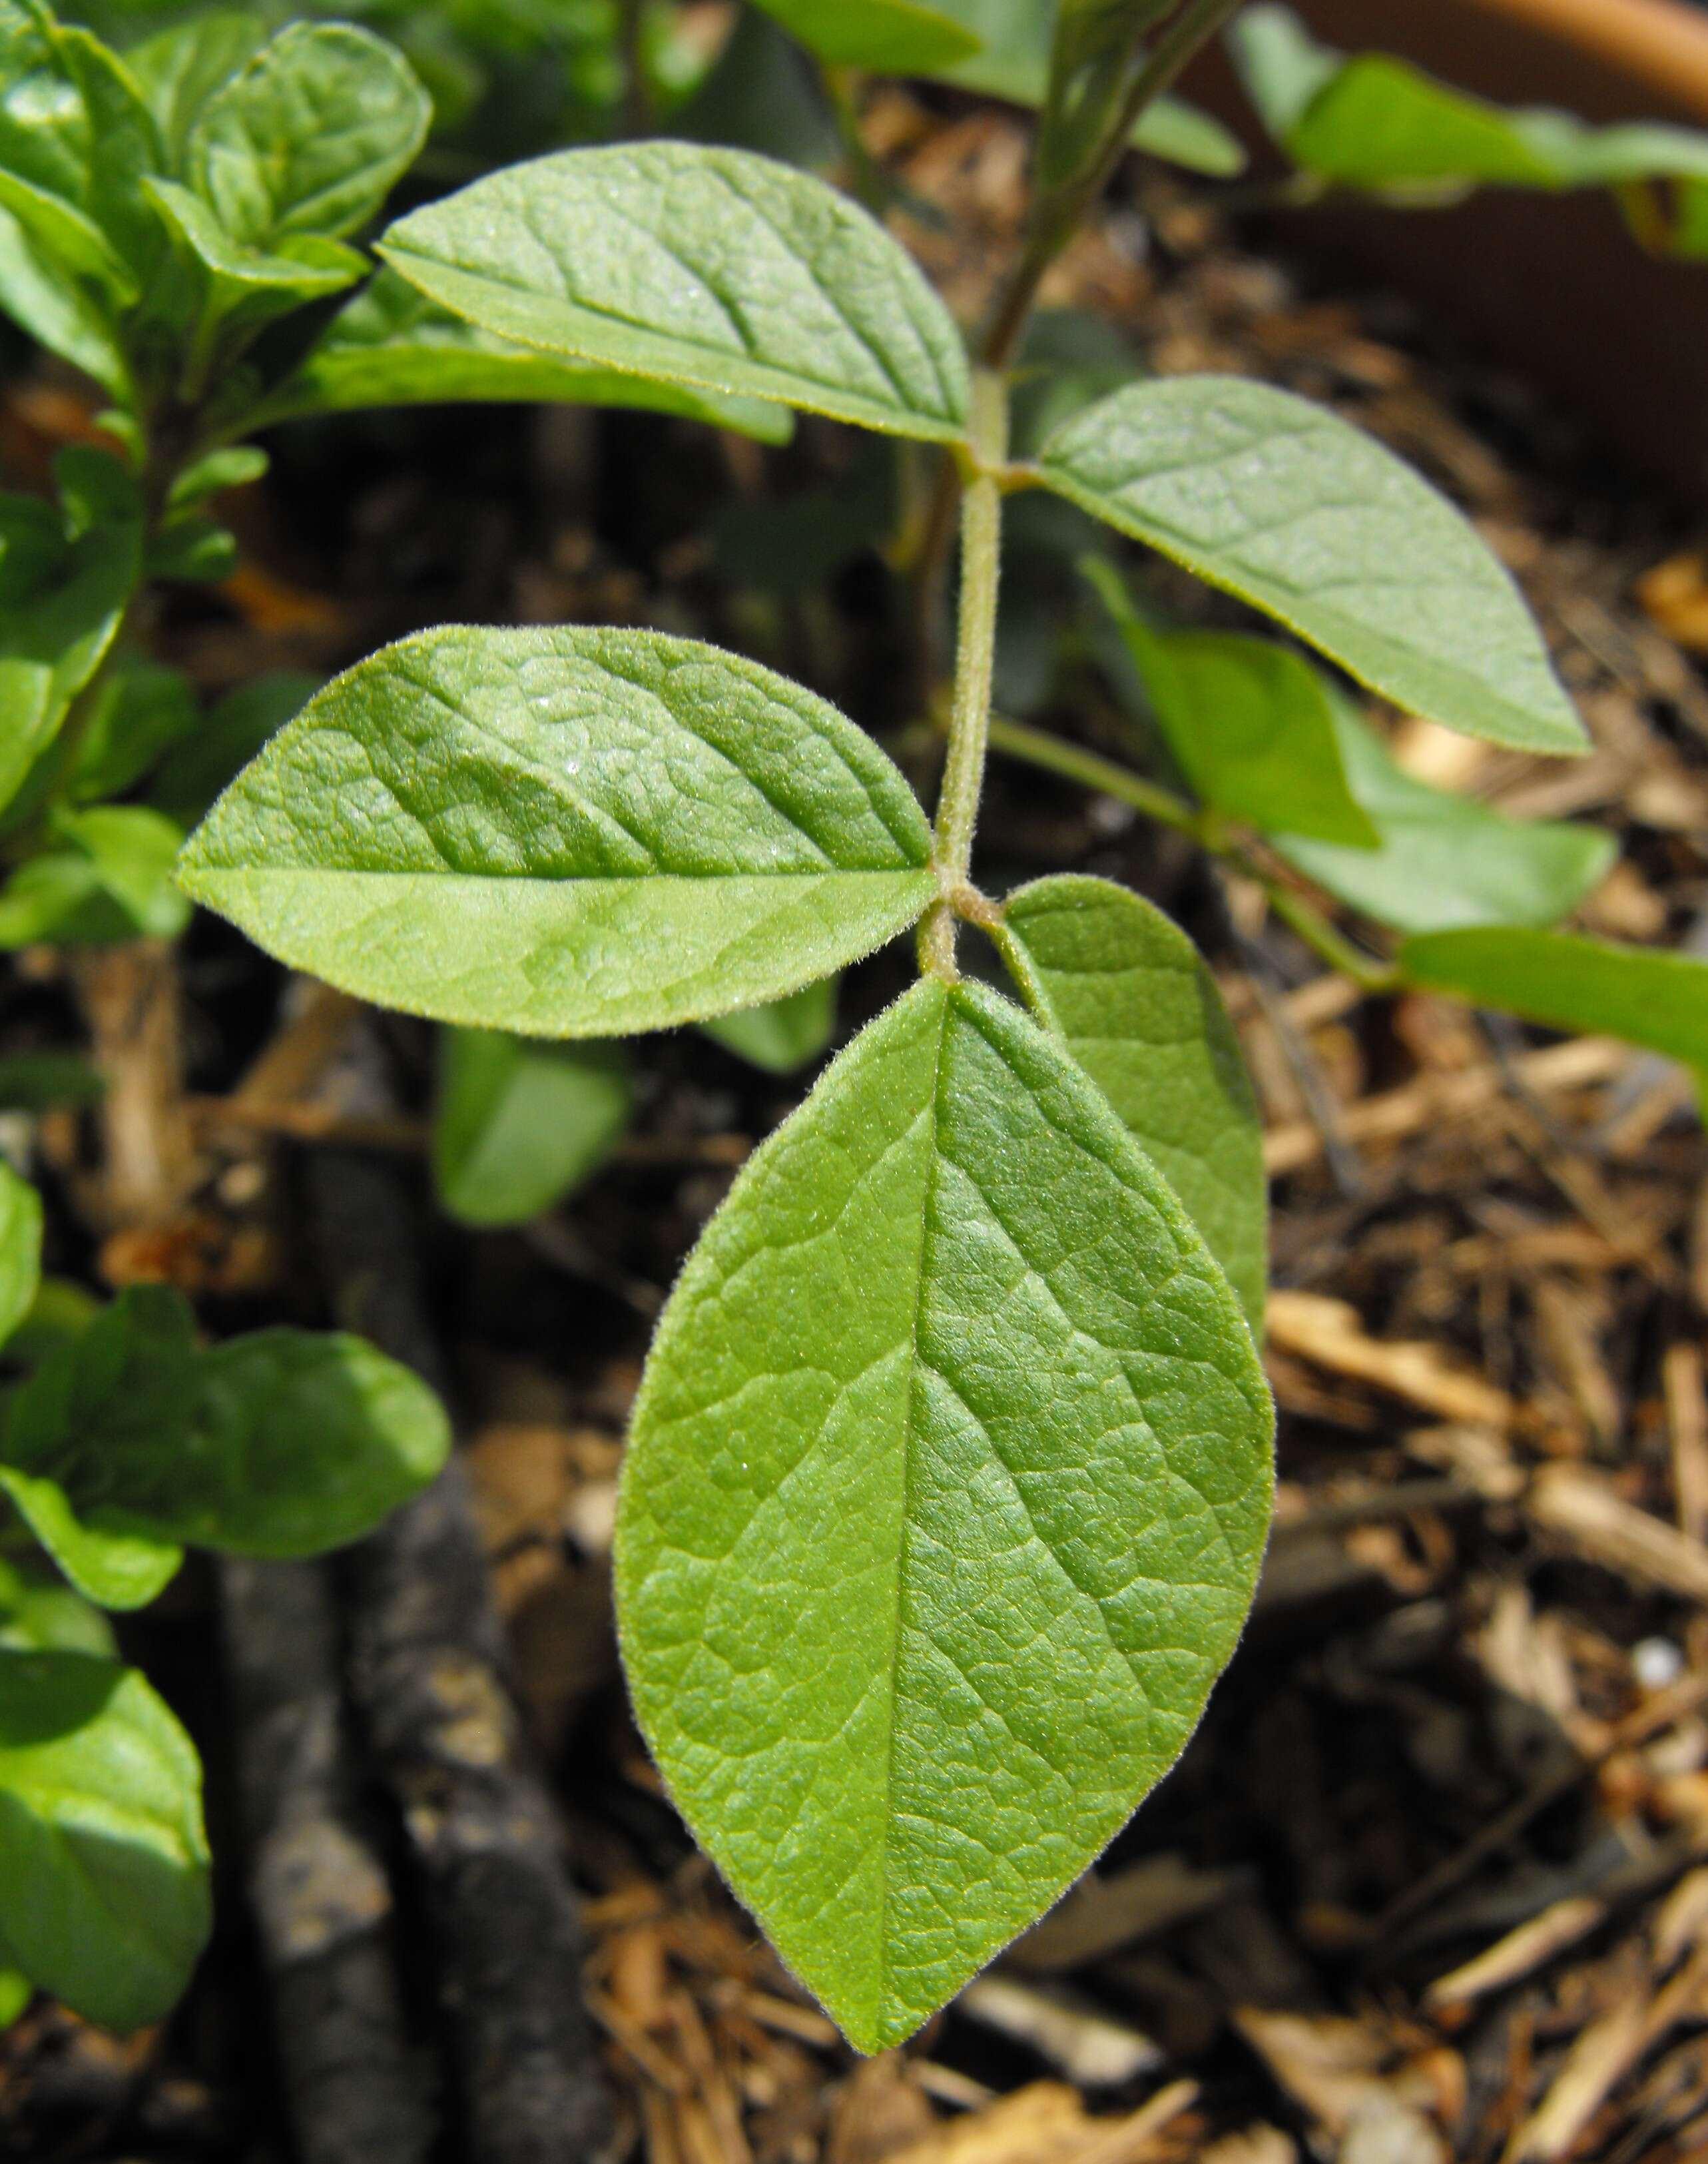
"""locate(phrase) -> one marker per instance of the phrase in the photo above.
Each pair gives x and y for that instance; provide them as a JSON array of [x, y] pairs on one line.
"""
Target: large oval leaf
[[1138, 1008], [565, 833], [103, 1861], [709, 267], [944, 1503], [1317, 524]]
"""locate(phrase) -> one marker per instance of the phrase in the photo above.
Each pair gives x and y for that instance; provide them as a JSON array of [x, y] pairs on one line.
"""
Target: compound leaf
[[1250, 724], [899, 37], [565, 833], [393, 346], [309, 137], [1317, 524], [20, 1249], [782, 1035], [1443, 862], [103, 1861], [1136, 1004], [519, 1125], [1646, 997], [947, 1491], [709, 267]]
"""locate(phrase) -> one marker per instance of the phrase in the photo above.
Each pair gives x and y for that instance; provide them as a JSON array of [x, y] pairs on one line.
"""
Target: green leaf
[[519, 1125], [566, 833], [16, 1991], [56, 312], [178, 69], [61, 1312], [302, 1441], [128, 1443], [75, 139], [393, 346], [38, 1615], [712, 268], [37, 1081], [945, 1495], [111, 878], [1317, 524], [1445, 861], [196, 549], [1376, 123], [226, 740], [1136, 1004], [1014, 64], [238, 288], [232, 465], [122, 1392], [139, 711], [896, 37], [52, 640], [783, 1035], [103, 1861], [310, 137], [1251, 724], [20, 1249], [1647, 997]]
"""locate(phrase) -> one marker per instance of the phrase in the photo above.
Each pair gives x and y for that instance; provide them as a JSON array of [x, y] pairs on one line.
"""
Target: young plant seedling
[[949, 1477]]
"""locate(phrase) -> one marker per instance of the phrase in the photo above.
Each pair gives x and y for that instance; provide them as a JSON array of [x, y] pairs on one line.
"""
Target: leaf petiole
[[974, 661]]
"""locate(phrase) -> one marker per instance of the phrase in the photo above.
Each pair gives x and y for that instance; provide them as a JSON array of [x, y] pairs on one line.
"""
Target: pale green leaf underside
[[392, 346], [1138, 1007], [709, 267], [1647, 997], [944, 1503], [1445, 861], [1317, 524], [565, 833], [103, 1861]]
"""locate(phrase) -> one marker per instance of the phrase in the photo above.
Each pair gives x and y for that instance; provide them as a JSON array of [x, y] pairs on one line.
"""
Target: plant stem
[[1093, 771], [974, 661]]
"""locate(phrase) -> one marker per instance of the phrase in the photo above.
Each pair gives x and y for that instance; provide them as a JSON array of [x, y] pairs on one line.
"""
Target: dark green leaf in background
[[783, 1036], [1445, 861], [1249, 723], [103, 1861], [1657, 1000], [896, 37], [520, 1125], [20, 1249]]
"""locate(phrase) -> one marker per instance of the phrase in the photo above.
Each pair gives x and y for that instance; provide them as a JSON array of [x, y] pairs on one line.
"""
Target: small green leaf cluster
[[1377, 124], [123, 1441]]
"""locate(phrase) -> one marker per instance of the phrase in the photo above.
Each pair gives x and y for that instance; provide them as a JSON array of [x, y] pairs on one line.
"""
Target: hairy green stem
[[974, 661], [1014, 740]]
